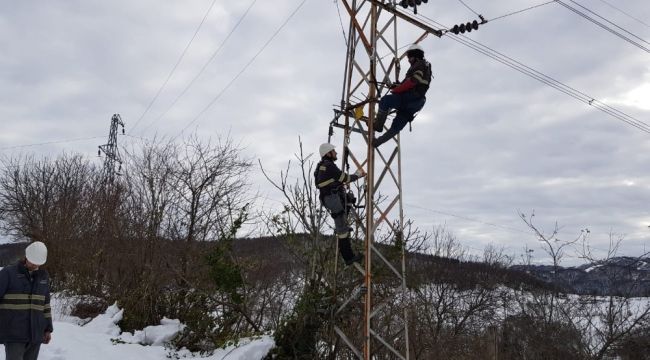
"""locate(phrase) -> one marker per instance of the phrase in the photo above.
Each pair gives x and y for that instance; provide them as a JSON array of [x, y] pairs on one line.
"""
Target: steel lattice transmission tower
[[112, 161], [372, 61]]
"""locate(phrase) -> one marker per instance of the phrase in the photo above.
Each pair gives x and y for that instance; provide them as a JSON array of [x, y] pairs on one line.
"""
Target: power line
[[244, 68], [467, 6], [568, 90], [214, 54], [604, 26], [608, 21], [467, 218], [625, 13], [51, 142], [486, 223], [522, 10], [338, 10], [547, 80], [175, 66]]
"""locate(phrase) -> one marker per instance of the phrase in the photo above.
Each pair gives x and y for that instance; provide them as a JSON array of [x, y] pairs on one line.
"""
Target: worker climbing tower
[[372, 63]]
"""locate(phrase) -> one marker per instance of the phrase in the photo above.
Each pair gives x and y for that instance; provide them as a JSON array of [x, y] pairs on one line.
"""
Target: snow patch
[[106, 323], [156, 335], [97, 341]]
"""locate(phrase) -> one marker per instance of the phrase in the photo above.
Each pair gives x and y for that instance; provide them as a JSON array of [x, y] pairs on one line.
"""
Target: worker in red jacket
[[407, 98], [25, 314]]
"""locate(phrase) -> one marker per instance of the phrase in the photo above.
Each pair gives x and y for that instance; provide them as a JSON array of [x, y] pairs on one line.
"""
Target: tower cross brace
[[372, 59]]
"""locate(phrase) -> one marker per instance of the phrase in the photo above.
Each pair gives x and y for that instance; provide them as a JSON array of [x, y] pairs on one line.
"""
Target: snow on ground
[[101, 339]]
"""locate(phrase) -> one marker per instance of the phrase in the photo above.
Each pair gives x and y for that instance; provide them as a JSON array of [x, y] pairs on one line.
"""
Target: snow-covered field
[[101, 339]]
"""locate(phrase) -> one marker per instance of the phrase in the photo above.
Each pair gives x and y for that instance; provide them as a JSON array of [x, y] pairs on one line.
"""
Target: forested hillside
[[163, 242]]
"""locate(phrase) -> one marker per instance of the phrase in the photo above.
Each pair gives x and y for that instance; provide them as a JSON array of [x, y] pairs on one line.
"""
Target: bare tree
[[556, 249], [608, 321], [151, 183], [302, 211], [209, 192], [54, 201], [445, 244], [604, 322]]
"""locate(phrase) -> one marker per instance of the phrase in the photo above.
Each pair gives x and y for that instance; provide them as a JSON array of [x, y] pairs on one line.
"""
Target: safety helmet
[[36, 253], [325, 148], [415, 50]]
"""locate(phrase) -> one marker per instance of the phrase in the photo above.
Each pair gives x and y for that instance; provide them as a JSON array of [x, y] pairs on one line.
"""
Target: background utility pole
[[372, 61], [112, 161]]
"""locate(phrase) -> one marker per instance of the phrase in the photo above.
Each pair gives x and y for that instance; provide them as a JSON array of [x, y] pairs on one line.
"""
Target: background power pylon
[[372, 61], [112, 161]]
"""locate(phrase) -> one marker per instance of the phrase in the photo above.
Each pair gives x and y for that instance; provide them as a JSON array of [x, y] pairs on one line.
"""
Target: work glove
[[360, 173], [393, 85]]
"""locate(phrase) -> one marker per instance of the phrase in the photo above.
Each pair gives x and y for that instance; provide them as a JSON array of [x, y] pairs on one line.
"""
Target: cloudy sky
[[490, 142]]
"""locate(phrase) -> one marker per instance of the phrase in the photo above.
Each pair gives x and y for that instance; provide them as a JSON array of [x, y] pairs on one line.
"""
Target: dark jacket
[[25, 313], [420, 74], [329, 177]]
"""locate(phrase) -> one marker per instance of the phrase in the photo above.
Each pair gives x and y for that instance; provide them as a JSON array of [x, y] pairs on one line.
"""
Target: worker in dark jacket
[[407, 98], [25, 314], [330, 182]]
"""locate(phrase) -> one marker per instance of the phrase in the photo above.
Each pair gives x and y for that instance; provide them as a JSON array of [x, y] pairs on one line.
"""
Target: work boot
[[376, 142], [345, 248], [357, 258], [380, 120]]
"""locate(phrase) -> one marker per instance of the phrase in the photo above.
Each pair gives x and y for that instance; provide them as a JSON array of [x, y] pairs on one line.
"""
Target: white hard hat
[[415, 47], [36, 253], [415, 50], [325, 148]]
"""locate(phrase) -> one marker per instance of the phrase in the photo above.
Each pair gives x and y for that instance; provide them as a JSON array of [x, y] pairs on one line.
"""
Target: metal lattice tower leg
[[373, 60], [113, 161]]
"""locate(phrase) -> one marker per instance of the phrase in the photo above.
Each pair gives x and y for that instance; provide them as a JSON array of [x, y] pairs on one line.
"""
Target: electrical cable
[[214, 54], [605, 27], [50, 142], [526, 70], [484, 223], [576, 94], [338, 10], [610, 22], [466, 218], [625, 13], [470, 9], [223, 90], [175, 65], [522, 10]]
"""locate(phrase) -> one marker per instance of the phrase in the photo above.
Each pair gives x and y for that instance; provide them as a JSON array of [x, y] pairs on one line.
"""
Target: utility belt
[[331, 191], [347, 197]]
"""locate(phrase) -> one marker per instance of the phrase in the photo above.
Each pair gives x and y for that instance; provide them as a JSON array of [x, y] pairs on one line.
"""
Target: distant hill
[[617, 276], [624, 275], [274, 258]]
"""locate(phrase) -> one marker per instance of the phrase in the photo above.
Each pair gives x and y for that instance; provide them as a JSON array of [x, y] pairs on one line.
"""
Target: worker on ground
[[330, 181], [25, 314], [407, 98]]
